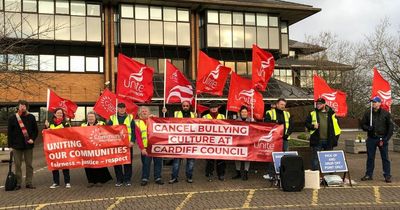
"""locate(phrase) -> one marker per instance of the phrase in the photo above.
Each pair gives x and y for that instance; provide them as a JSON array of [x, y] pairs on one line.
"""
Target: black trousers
[[221, 165], [56, 176]]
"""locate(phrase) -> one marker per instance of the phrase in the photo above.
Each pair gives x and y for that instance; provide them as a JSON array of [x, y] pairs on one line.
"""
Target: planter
[[396, 144], [355, 146]]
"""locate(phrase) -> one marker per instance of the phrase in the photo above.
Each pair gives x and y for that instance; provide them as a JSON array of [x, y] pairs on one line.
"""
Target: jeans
[[19, 156], [322, 145], [146, 163], [238, 165], [124, 176], [372, 143], [176, 164], [221, 165], [56, 176]]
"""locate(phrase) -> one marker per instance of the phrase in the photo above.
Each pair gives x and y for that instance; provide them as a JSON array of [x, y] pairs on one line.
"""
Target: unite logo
[[245, 96], [62, 105], [385, 95], [134, 81], [264, 143], [107, 104], [329, 96], [174, 77], [211, 79], [263, 67], [97, 138], [331, 100], [184, 93]]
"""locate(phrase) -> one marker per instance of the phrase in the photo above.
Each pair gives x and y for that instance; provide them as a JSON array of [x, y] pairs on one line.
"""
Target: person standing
[[124, 175], [57, 122], [176, 162], [379, 134], [22, 131], [324, 130], [278, 114], [243, 116], [95, 176], [221, 165], [144, 113]]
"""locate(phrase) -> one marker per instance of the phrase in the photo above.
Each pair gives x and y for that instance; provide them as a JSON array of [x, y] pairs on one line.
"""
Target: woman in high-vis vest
[[57, 122], [95, 176]]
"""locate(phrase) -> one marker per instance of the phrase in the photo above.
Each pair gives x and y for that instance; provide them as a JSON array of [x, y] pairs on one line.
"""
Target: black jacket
[[382, 125], [280, 119], [16, 139], [315, 138]]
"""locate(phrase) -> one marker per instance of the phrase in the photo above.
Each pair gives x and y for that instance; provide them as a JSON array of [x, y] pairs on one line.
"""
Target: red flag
[[200, 108], [335, 99], [54, 101], [106, 105], [262, 68], [135, 80], [211, 75], [381, 88], [177, 87], [241, 93]]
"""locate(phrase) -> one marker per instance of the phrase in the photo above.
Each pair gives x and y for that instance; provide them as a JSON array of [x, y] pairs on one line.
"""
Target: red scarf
[[58, 121], [22, 126]]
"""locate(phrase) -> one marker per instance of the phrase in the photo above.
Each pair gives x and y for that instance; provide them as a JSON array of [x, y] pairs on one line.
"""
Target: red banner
[[213, 139], [262, 68], [335, 99], [86, 147], [54, 101], [134, 80], [381, 88], [241, 93], [211, 75]]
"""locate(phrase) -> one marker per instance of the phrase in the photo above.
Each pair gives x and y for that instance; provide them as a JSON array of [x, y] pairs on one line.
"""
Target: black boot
[[244, 176], [237, 176]]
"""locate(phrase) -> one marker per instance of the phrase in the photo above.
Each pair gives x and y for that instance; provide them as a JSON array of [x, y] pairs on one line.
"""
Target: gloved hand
[[370, 128], [380, 143]]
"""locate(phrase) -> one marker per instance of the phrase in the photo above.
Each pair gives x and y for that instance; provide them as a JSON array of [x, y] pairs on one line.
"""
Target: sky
[[350, 20]]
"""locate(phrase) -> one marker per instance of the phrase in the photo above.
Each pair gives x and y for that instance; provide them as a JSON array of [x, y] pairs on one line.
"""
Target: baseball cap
[[121, 105], [320, 100], [376, 99]]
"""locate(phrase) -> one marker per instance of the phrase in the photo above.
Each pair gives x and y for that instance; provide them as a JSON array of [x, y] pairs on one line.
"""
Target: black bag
[[292, 173], [11, 181]]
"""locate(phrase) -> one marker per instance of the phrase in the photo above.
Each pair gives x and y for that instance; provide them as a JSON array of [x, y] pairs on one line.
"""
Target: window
[[169, 33], [46, 6], [250, 36], [284, 28], [155, 13], [262, 37], [213, 35], [238, 36], [31, 62], [179, 63], [237, 18], [230, 65], [212, 16], [93, 9], [142, 31], [225, 18], [101, 65], [62, 63], [127, 31], [46, 27], [46, 62], [15, 62], [274, 38], [62, 27], [77, 64], [241, 68], [250, 19], [226, 36], [262, 20], [62, 7], [169, 14], [92, 64], [29, 26], [184, 34], [152, 62], [93, 29], [273, 21], [141, 12], [126, 11], [156, 32], [29, 6], [13, 25], [78, 8], [80, 114], [12, 5], [78, 28], [183, 15]]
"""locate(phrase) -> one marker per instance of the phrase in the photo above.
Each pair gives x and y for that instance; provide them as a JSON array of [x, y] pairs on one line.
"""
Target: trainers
[[189, 180], [388, 179], [159, 182], [53, 186], [128, 184], [267, 177], [174, 180], [68, 185], [366, 178], [118, 184]]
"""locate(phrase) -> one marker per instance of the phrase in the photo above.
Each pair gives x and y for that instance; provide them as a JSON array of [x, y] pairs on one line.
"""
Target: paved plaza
[[231, 194]]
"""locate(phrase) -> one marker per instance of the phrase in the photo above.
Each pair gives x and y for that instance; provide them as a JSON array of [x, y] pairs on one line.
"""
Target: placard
[[332, 161]]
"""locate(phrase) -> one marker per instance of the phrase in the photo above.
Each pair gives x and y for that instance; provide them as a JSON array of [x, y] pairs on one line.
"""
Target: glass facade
[[284, 75], [158, 64], [52, 20], [227, 29], [333, 77], [142, 24]]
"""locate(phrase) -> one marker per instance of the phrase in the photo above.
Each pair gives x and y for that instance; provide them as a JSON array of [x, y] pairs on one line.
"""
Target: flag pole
[[252, 106], [195, 104], [48, 103], [370, 115], [165, 83], [116, 108]]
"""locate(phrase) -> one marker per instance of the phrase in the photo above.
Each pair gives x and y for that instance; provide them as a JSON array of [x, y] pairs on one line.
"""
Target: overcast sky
[[349, 19]]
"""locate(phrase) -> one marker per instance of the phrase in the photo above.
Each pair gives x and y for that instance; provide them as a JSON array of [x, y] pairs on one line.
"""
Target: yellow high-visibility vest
[[336, 127], [143, 131], [286, 115], [179, 114], [219, 117], [127, 122]]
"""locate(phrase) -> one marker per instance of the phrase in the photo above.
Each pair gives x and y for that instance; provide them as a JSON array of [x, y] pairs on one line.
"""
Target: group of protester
[[321, 123]]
